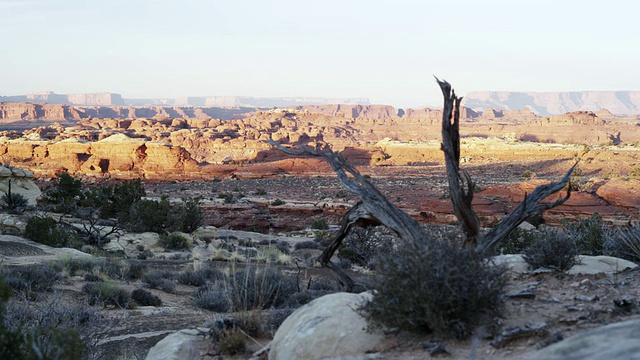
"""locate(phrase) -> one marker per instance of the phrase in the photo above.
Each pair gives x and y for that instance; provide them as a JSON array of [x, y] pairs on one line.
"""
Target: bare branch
[[460, 198], [530, 206]]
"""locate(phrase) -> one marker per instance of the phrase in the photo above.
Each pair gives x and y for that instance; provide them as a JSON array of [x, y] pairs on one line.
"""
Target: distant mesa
[[555, 103], [112, 99]]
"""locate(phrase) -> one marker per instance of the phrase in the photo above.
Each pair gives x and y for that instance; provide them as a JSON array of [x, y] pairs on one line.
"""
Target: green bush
[[517, 241], [45, 230], [64, 194], [118, 199], [553, 250], [151, 215], [436, 286], [189, 214], [277, 202], [173, 241]]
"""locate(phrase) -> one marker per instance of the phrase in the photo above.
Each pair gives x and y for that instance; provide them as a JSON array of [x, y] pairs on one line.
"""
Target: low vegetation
[[436, 286]]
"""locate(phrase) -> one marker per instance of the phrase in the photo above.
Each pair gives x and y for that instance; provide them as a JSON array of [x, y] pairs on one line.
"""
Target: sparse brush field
[[158, 266]]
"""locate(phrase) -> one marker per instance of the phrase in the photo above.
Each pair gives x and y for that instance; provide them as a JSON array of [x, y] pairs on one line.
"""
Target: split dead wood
[[375, 209]]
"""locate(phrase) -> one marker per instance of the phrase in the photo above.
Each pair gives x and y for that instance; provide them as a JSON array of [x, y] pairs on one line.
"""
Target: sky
[[386, 51]]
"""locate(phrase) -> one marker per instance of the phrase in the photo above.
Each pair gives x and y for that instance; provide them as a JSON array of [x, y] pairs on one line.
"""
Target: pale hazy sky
[[386, 51]]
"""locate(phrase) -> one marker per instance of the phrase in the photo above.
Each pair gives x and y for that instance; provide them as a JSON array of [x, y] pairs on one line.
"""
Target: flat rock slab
[[15, 250], [588, 264], [619, 341]]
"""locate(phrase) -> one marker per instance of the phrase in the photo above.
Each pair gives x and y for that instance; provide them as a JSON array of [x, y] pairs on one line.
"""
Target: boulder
[[327, 327], [180, 345], [619, 341], [21, 183]]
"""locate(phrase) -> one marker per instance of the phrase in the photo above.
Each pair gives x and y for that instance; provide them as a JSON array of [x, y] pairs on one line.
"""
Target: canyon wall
[[555, 103]]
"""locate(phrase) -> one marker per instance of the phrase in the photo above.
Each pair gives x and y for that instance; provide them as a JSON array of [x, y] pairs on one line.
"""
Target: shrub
[[588, 234], [362, 245], [436, 286], [12, 201], [200, 277], [625, 244], [159, 279], [189, 214], [259, 288], [173, 241], [151, 215], [212, 297], [117, 199], [232, 342], [145, 298], [45, 230], [554, 250], [39, 278], [107, 293], [64, 195], [320, 224], [277, 202], [307, 245], [517, 241]]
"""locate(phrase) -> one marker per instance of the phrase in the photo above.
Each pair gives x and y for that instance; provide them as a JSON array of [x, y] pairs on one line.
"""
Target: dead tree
[[374, 208]]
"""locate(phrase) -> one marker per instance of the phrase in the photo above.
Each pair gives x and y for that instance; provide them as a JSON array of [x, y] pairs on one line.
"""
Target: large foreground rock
[[620, 341], [326, 328]]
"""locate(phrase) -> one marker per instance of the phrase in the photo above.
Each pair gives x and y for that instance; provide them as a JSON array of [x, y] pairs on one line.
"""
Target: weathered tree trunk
[[374, 208]]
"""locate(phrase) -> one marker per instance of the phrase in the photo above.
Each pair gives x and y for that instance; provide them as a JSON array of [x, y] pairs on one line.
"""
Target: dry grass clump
[[436, 286]]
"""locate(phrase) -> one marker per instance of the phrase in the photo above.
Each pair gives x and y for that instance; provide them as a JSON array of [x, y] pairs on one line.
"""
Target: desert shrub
[[92, 277], [625, 244], [145, 298], [117, 199], [322, 283], [107, 293], [276, 317], [283, 246], [136, 270], [200, 277], [307, 245], [589, 234], [553, 250], [189, 214], [12, 201], [45, 230], [232, 342], [72, 266], [48, 330], [228, 198], [435, 286], [160, 279], [173, 241], [259, 288], [277, 202], [39, 278], [212, 297], [320, 224], [517, 241], [361, 246], [64, 195], [150, 215]]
